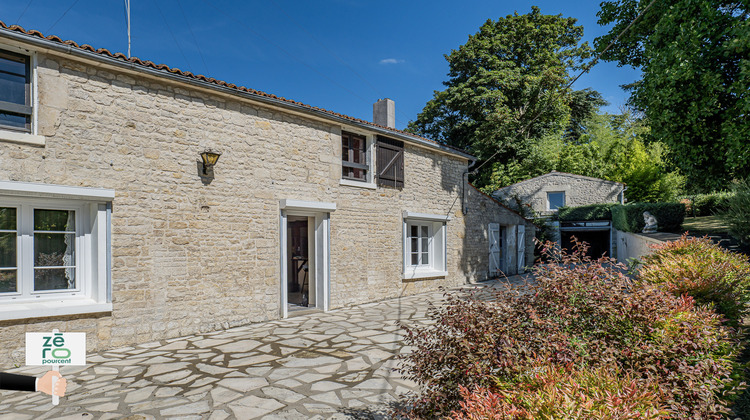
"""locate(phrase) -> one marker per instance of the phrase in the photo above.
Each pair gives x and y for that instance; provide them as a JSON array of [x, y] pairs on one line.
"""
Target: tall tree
[[695, 90], [610, 147], [507, 86]]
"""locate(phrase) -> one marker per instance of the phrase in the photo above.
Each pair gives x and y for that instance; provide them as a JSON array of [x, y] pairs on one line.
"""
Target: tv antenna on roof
[[127, 17]]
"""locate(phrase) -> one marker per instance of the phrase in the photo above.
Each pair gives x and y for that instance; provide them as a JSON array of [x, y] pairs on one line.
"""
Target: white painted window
[[357, 160], [424, 246], [555, 200], [54, 252], [420, 241]]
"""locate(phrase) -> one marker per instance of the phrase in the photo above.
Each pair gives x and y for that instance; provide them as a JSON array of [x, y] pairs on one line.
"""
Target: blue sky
[[341, 55]]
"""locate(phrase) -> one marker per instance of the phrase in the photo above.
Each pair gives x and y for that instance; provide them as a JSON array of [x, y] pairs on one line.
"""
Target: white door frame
[[321, 213]]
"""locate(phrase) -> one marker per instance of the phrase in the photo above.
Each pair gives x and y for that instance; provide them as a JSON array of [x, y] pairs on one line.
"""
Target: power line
[[333, 54], [325, 76], [63, 15], [586, 69], [24, 11], [156, 3], [193, 35]]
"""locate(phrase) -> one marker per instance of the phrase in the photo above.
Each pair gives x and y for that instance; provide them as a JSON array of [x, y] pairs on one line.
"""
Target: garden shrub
[[579, 314], [559, 393], [737, 215], [706, 204], [703, 270], [629, 217], [589, 212]]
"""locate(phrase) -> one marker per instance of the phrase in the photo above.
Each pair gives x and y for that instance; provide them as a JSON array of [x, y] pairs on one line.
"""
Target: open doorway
[[301, 284], [305, 256]]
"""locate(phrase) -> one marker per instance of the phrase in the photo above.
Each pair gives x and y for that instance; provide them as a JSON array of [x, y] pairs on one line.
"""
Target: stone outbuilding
[[548, 192], [117, 219]]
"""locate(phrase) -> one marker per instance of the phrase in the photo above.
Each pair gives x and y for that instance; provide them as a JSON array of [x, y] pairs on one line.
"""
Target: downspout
[[465, 185], [622, 194]]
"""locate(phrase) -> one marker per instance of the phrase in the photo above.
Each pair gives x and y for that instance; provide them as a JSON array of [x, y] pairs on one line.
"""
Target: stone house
[[548, 192], [115, 222]]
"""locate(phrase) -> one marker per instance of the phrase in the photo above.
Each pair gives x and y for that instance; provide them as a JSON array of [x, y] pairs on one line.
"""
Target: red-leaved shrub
[[558, 393], [578, 315], [703, 270]]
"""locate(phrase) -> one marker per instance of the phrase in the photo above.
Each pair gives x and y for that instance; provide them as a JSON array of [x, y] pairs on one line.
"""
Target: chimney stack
[[384, 113]]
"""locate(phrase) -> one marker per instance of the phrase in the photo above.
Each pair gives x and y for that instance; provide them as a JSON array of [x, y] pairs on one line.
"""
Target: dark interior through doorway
[[299, 282], [598, 240]]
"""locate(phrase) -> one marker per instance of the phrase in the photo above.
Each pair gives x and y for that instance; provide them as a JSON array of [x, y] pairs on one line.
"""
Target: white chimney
[[384, 113]]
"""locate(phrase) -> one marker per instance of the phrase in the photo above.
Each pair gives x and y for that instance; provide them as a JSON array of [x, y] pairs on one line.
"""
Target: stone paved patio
[[333, 365]]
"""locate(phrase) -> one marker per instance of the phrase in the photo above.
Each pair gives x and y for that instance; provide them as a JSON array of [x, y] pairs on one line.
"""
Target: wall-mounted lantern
[[209, 160]]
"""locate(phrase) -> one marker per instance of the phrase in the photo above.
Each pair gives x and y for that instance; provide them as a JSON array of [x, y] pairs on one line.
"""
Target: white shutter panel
[[495, 249], [521, 248]]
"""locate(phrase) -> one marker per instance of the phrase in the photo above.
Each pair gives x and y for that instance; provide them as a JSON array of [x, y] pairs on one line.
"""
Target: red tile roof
[[163, 67]]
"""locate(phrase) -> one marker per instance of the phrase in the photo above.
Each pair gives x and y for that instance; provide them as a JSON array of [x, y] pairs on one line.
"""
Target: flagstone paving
[[334, 365]]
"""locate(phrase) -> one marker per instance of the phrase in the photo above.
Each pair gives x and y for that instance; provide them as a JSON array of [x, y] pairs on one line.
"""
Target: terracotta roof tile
[[187, 74]]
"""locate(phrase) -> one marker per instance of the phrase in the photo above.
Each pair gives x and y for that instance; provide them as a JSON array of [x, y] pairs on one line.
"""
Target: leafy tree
[[610, 147], [695, 59], [506, 89]]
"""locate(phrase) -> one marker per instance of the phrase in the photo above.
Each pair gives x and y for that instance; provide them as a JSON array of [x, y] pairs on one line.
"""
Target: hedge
[[707, 204], [589, 212], [629, 218]]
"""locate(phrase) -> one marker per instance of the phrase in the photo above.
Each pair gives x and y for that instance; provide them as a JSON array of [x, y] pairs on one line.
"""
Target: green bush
[[703, 270], [629, 218], [590, 212], [707, 204], [737, 215], [578, 315]]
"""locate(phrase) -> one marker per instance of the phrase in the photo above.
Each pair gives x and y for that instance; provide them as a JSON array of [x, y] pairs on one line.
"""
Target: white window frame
[[368, 183], [564, 196], [437, 243], [32, 137], [92, 248], [420, 251]]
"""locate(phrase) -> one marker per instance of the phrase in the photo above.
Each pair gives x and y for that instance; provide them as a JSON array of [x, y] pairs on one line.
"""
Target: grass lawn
[[704, 224]]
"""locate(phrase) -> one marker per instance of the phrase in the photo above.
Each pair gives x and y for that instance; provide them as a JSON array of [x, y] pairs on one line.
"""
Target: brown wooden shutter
[[390, 162]]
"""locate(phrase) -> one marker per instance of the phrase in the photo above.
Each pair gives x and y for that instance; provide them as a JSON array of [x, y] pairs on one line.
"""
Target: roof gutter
[[68, 49]]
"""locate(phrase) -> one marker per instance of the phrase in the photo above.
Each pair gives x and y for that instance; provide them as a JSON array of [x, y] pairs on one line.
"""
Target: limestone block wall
[[481, 211], [579, 190], [189, 257]]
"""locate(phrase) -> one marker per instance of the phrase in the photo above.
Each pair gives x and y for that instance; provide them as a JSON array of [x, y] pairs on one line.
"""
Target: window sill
[[359, 184], [24, 310], [23, 138], [423, 273]]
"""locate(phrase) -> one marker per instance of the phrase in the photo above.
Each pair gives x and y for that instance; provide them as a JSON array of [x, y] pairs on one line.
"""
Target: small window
[[419, 248], [424, 248], [354, 162], [15, 92], [555, 200]]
